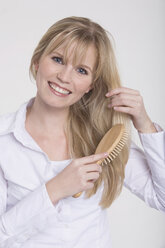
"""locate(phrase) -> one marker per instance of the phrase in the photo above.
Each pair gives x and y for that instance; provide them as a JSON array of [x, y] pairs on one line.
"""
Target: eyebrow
[[85, 66], [59, 54]]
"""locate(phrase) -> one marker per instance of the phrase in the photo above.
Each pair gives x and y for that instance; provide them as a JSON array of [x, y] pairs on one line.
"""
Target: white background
[[138, 27]]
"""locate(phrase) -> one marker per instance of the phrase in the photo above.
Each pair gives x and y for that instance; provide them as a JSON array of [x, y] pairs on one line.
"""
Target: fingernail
[[107, 94], [105, 154]]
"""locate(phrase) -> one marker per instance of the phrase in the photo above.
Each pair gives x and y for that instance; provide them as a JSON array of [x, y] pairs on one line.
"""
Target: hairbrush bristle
[[116, 150], [112, 143]]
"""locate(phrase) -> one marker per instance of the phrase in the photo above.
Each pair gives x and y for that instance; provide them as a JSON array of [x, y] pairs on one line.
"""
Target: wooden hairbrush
[[112, 143]]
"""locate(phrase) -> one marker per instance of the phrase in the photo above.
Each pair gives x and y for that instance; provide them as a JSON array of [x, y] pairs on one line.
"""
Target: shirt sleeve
[[26, 218], [145, 170]]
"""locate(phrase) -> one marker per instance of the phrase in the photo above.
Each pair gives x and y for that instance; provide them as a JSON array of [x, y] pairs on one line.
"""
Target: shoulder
[[7, 122], [11, 121]]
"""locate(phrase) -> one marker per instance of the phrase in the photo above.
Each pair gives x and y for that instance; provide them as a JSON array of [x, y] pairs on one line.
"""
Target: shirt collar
[[12, 122], [15, 123], [20, 118]]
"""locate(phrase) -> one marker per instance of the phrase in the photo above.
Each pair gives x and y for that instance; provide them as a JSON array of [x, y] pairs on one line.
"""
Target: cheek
[[40, 80], [45, 69], [42, 74], [84, 85]]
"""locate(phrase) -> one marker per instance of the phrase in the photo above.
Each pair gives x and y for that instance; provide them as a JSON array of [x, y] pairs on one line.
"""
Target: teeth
[[66, 92]]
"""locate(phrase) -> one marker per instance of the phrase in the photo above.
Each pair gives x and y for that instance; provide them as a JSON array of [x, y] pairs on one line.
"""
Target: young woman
[[47, 147]]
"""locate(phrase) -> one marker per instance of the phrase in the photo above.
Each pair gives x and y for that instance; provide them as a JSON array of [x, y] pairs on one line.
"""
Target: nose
[[65, 74]]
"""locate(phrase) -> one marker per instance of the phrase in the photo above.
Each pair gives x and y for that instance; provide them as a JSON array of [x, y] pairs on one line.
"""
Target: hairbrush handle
[[77, 195]]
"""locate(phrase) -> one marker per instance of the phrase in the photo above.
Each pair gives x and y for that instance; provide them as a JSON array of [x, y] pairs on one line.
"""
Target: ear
[[90, 88], [36, 65]]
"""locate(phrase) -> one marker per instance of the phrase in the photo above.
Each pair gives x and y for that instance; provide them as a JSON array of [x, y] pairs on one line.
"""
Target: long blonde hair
[[89, 118]]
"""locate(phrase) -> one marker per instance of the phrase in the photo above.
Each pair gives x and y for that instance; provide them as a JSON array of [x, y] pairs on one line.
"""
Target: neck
[[46, 119]]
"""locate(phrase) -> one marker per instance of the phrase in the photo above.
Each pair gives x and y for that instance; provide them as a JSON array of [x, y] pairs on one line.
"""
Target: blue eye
[[82, 71], [58, 60]]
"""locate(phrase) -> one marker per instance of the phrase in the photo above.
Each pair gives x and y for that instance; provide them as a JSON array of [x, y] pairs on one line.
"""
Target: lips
[[57, 85]]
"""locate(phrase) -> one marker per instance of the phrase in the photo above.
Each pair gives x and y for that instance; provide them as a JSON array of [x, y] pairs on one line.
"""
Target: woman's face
[[62, 84]]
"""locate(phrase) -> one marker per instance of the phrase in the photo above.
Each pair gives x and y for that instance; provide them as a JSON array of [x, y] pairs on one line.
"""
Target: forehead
[[77, 52]]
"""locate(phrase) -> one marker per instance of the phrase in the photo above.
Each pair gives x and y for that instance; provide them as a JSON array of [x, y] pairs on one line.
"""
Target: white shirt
[[28, 219]]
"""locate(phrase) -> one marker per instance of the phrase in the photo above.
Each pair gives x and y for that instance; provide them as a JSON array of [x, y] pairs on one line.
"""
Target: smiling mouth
[[59, 89]]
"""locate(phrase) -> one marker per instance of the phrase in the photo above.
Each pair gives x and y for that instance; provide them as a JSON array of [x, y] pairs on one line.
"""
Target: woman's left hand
[[131, 102]]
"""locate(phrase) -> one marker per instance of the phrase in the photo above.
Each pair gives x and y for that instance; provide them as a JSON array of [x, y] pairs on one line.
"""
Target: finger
[[123, 102], [92, 181], [123, 96], [92, 176], [126, 110], [122, 90], [91, 159], [93, 168], [90, 184]]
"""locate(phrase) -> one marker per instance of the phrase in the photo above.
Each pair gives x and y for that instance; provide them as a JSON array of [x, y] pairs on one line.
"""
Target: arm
[[26, 218], [145, 171], [33, 213]]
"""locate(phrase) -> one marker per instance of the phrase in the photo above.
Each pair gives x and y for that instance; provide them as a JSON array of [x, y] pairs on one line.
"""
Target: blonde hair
[[89, 118]]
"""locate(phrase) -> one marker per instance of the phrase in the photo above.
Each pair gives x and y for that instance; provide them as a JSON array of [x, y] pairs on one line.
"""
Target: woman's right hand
[[78, 176]]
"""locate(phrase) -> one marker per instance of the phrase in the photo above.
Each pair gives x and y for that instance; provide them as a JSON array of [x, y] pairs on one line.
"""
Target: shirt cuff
[[30, 214], [154, 143]]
